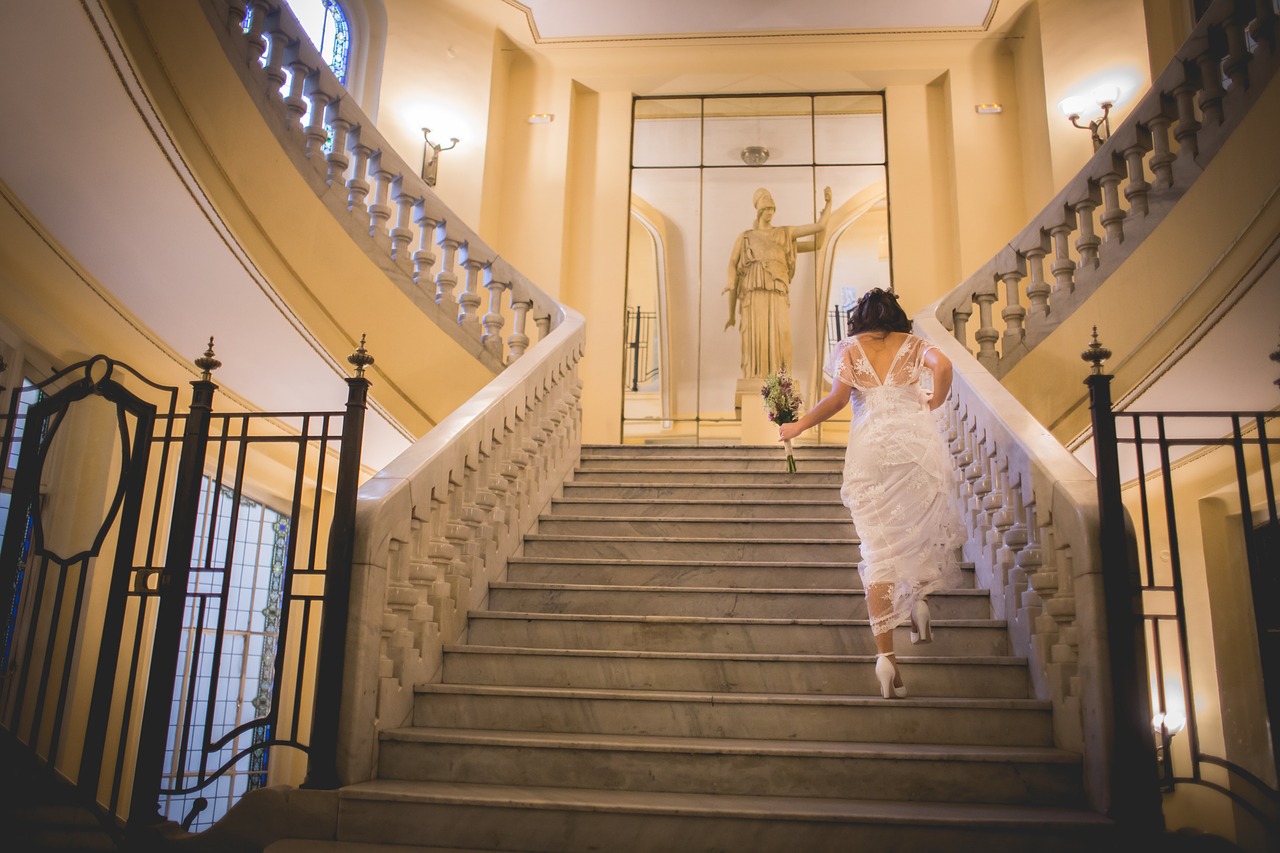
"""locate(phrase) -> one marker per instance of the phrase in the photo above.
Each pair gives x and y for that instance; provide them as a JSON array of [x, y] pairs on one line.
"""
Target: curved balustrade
[[383, 203], [1151, 159]]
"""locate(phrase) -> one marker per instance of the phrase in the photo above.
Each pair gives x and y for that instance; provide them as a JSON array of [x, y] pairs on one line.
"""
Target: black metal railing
[[126, 623], [1144, 455], [641, 328]]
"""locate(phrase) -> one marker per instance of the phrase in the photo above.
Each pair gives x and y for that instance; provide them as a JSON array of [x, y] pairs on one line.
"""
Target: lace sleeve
[[840, 366]]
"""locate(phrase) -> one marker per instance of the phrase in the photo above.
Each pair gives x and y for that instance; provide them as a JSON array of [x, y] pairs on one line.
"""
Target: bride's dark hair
[[878, 311]]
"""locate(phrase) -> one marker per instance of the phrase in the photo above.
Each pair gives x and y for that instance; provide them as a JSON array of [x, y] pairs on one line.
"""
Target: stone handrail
[[1031, 513], [382, 202], [1171, 135]]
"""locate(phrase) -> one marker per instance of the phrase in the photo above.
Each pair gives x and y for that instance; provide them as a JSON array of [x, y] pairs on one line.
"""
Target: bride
[[896, 475]]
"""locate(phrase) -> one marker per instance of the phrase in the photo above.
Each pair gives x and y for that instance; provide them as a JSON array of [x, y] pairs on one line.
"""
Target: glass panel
[[667, 133], [849, 129], [782, 127]]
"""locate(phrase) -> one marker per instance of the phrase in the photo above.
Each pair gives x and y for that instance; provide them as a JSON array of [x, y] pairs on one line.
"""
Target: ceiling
[[627, 20]]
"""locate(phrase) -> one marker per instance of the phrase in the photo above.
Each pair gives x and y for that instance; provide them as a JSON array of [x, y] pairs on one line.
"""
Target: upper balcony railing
[[1149, 161], [419, 243]]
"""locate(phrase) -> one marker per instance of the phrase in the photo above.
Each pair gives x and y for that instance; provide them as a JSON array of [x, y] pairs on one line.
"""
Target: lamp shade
[[1075, 105]]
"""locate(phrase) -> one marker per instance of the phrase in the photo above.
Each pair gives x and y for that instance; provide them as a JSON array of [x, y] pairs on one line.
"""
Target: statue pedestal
[[756, 426]]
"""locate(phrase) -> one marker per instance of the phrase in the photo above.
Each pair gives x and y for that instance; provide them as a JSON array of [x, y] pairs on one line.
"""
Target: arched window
[[326, 23]]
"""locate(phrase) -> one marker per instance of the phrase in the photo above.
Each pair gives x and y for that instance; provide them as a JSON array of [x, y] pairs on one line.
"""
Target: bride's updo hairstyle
[[878, 311]]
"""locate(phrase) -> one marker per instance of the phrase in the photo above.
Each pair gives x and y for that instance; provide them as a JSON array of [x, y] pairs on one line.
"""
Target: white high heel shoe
[[920, 630], [886, 671]]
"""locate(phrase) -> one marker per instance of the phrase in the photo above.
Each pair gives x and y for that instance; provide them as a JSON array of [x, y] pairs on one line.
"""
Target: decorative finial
[[1096, 354], [360, 359], [207, 363]]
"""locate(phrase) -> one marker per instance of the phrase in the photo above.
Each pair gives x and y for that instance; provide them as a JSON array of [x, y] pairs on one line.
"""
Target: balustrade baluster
[[1088, 241], [295, 106], [493, 320], [469, 301], [1188, 129], [960, 324], [1210, 65], [447, 278], [317, 132], [1063, 268], [1013, 314], [379, 210], [543, 322], [258, 12], [357, 184], [987, 335], [1038, 290], [337, 158], [424, 257], [237, 11], [1113, 215], [401, 235], [1263, 25], [275, 43], [1137, 189], [1162, 158], [1236, 65], [518, 341]]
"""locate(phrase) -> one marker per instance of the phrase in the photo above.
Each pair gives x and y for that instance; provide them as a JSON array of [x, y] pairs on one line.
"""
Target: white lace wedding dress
[[897, 480]]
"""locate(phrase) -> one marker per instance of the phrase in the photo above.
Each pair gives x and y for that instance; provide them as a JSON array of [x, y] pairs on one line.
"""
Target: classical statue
[[761, 267]]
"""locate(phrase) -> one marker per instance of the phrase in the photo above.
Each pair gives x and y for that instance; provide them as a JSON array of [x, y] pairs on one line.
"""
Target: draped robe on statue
[[765, 261]]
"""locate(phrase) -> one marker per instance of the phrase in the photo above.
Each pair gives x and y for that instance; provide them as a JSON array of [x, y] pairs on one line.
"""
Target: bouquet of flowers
[[782, 405]]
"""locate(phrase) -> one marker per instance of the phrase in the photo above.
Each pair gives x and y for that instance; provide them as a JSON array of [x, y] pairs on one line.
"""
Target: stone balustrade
[[436, 527], [1031, 513], [386, 207], [1121, 195]]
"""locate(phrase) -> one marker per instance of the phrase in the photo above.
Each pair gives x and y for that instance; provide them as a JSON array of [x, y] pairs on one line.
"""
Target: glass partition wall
[[698, 163]]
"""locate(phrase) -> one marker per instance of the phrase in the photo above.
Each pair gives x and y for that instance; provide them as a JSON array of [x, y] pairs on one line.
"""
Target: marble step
[[775, 463], [696, 573], [870, 771], [730, 636], [704, 548], [694, 473], [705, 601], [990, 677], [706, 490], [728, 509], [768, 716], [722, 575], [835, 529], [581, 820], [740, 451]]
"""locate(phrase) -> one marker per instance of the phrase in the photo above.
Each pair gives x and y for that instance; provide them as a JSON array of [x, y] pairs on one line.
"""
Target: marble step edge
[[746, 657], [970, 815], [772, 487], [798, 700], [689, 540], [728, 564], [658, 519], [709, 590], [733, 746], [690, 502], [530, 616]]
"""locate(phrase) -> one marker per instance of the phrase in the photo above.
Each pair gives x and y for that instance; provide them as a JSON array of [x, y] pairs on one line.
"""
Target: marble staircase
[[680, 659]]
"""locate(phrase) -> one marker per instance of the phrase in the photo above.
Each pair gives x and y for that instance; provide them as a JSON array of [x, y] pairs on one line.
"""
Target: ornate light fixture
[[431, 155], [1102, 98], [755, 155], [1166, 725]]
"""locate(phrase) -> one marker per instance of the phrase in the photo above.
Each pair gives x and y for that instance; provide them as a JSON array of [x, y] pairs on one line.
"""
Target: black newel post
[[322, 757], [1135, 786], [144, 806]]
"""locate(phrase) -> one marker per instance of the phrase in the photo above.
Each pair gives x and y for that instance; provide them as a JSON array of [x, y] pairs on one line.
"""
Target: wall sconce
[[755, 155], [431, 155], [1102, 98], [1166, 725]]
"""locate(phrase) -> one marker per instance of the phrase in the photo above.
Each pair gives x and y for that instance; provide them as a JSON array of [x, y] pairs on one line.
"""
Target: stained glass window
[[326, 23]]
